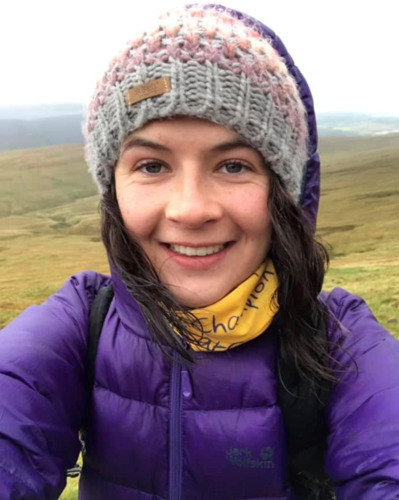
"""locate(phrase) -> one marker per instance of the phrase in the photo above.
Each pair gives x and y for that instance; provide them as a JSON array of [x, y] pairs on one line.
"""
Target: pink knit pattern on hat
[[229, 45]]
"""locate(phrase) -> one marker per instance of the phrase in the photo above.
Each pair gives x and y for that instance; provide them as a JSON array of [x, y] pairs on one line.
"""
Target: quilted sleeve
[[42, 393], [363, 445]]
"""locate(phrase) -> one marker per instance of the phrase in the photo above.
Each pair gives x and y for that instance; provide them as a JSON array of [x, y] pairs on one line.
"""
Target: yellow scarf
[[240, 316]]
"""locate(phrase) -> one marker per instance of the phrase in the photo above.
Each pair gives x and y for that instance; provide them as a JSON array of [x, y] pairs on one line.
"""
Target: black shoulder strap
[[98, 312], [302, 401]]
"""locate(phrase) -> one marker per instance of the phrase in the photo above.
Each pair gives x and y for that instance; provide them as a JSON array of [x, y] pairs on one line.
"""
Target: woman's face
[[194, 196]]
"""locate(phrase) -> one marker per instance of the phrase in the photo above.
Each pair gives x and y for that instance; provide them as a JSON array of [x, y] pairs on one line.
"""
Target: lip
[[199, 263], [196, 245]]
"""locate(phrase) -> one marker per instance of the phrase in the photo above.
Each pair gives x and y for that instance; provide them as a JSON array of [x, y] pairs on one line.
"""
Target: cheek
[[252, 211], [135, 211]]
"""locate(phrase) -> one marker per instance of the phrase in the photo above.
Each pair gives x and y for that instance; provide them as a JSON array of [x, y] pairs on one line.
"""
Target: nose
[[193, 201]]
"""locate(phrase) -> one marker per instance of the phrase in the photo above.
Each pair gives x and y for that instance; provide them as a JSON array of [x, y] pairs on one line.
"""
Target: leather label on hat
[[154, 88]]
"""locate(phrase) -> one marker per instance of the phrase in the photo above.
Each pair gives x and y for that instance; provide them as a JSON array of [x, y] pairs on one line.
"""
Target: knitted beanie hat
[[208, 62]]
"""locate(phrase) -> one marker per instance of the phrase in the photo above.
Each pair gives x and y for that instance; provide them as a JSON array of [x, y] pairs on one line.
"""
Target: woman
[[201, 138]]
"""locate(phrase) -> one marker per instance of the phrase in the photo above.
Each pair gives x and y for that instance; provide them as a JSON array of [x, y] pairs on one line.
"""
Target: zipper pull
[[187, 389]]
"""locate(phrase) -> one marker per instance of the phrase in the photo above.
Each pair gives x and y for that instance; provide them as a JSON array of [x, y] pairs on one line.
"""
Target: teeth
[[196, 252]]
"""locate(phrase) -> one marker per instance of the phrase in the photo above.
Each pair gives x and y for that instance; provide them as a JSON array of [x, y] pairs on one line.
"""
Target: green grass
[[359, 220], [42, 178], [49, 225]]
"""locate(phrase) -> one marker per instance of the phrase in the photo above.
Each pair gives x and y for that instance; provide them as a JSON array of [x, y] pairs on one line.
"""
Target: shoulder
[[42, 387], [363, 408], [351, 319], [361, 343], [80, 289], [339, 302], [61, 317]]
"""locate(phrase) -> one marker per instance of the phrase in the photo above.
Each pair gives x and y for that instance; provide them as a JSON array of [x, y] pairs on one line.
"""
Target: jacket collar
[[129, 311]]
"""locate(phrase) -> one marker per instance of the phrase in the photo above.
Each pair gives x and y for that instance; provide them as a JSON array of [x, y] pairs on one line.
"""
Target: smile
[[197, 251]]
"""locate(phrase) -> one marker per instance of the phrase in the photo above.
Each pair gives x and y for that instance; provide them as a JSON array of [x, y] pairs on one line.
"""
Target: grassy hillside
[[359, 218], [49, 224], [360, 199], [42, 178]]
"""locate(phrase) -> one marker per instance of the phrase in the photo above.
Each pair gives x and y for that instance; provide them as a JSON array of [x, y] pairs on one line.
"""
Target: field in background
[[359, 219], [49, 225]]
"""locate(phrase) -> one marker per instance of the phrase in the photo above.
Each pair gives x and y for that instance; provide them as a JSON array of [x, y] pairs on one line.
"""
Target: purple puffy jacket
[[213, 432], [158, 431]]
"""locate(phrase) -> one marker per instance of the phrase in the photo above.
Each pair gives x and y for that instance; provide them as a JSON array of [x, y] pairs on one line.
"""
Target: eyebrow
[[229, 145], [137, 142], [219, 148]]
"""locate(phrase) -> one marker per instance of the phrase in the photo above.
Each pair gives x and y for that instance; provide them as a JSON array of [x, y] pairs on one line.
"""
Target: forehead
[[187, 133], [168, 126]]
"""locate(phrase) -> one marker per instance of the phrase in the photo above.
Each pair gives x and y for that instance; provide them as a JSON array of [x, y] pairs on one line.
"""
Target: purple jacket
[[211, 432]]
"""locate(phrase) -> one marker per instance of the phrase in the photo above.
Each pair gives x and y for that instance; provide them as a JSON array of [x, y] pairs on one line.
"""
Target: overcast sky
[[54, 51]]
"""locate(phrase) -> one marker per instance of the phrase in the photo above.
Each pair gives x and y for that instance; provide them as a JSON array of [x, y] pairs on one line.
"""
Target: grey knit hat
[[204, 62]]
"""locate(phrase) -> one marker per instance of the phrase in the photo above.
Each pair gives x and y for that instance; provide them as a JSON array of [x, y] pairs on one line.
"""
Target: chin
[[198, 300]]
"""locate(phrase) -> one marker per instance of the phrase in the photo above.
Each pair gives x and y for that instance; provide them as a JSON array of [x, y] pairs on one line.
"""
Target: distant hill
[[57, 130], [42, 111], [356, 124], [57, 124]]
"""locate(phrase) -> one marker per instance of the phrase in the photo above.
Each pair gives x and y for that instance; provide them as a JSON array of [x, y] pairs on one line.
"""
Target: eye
[[234, 167], [151, 167]]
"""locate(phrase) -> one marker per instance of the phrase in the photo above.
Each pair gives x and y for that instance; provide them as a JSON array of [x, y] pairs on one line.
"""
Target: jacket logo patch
[[242, 457]]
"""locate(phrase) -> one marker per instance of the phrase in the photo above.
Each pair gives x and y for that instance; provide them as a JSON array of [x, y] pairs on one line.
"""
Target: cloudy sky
[[54, 51]]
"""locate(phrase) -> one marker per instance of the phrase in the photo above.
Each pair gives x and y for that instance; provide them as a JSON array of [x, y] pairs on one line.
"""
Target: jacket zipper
[[180, 388], [175, 461]]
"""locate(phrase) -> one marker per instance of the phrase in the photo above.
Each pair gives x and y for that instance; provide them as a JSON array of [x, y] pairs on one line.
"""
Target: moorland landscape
[[49, 224]]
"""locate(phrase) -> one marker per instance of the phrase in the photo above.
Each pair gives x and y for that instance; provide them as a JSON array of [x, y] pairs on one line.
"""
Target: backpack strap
[[98, 312], [303, 404]]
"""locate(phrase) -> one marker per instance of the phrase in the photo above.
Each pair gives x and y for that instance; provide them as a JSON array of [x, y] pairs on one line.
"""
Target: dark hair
[[300, 262]]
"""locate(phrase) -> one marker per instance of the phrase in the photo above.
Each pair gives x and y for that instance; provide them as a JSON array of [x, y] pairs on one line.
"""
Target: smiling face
[[194, 196]]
